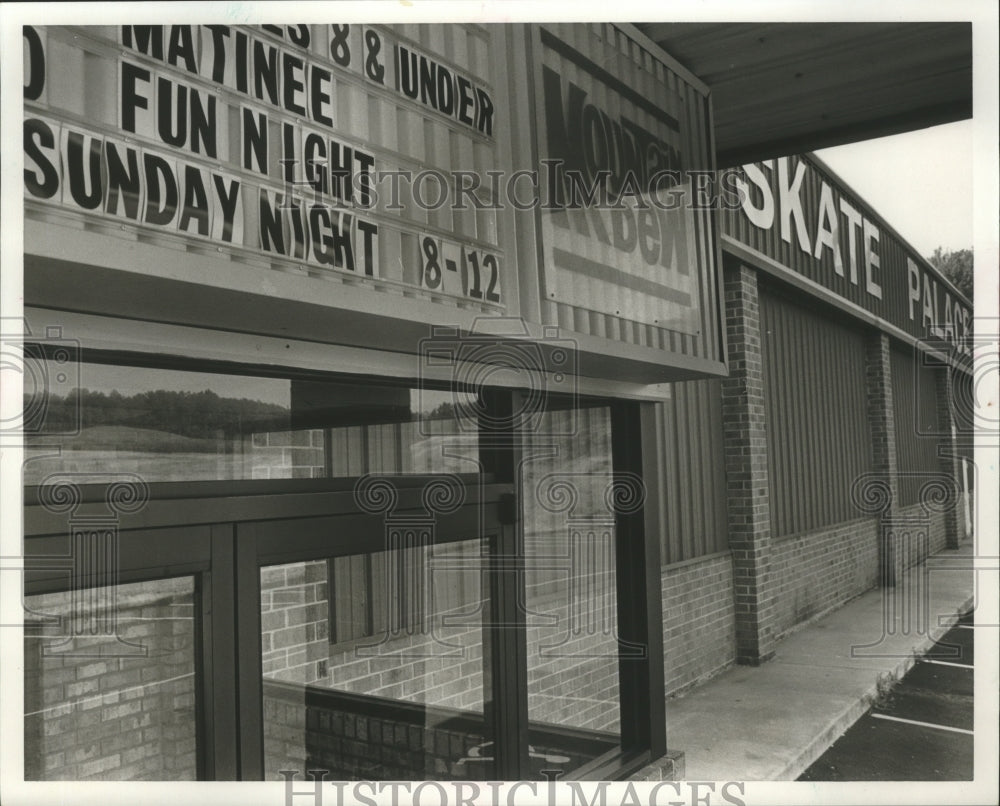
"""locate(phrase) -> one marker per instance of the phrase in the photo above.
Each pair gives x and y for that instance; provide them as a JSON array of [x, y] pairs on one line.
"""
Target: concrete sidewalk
[[769, 723]]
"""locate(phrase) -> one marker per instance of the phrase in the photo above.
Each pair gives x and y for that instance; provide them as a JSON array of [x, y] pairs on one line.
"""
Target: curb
[[839, 724]]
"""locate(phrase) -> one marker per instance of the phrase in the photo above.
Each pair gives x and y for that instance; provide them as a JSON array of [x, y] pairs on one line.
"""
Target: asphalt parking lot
[[921, 730]]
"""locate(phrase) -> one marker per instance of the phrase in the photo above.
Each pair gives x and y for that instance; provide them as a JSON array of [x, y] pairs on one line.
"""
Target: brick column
[[882, 425], [747, 495], [954, 519]]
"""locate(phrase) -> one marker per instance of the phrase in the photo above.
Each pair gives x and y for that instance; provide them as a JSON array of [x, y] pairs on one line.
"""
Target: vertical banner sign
[[333, 147], [619, 233]]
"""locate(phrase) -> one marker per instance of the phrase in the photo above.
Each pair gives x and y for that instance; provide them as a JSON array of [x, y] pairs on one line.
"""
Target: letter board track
[[280, 145], [619, 133]]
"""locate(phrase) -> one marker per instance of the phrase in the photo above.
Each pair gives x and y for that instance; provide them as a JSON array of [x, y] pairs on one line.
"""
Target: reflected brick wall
[[284, 454], [573, 674], [354, 738], [294, 621], [116, 718]]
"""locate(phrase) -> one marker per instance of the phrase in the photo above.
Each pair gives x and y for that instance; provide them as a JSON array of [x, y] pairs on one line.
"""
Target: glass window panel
[[101, 709], [177, 425], [571, 591], [373, 664]]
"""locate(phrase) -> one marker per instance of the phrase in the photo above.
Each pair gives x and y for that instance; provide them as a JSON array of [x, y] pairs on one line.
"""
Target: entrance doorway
[[345, 596]]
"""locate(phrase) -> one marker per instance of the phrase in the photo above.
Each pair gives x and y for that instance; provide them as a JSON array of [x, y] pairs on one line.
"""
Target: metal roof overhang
[[787, 88]]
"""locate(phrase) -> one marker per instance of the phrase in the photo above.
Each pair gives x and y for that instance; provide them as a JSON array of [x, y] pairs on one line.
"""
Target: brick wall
[[747, 490], [920, 532], [284, 454], [115, 718], [698, 620], [820, 570], [938, 534]]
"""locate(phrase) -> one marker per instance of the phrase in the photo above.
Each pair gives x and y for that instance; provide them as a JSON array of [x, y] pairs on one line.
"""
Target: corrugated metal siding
[[694, 493], [914, 403], [694, 139], [816, 409]]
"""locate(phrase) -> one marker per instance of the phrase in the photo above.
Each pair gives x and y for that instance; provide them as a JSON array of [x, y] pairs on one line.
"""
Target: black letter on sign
[[290, 63], [181, 47], [340, 49], [272, 230], [319, 223], [77, 172], [195, 201], [299, 34], [161, 202], [130, 100], [147, 37], [428, 79], [39, 130], [466, 101], [203, 124], [165, 107], [369, 231], [219, 34], [445, 90], [314, 162], [124, 183], [343, 249], [228, 203], [318, 97], [408, 81], [373, 44], [254, 141], [36, 64], [485, 118]]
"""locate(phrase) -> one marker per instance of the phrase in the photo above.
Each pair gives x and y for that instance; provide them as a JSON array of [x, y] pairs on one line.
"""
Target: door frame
[[222, 532], [222, 541], [259, 543]]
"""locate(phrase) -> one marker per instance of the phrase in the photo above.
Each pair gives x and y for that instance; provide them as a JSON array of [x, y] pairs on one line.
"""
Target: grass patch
[[884, 687]]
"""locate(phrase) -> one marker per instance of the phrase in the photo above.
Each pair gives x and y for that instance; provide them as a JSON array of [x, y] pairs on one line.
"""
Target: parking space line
[[922, 724], [947, 663]]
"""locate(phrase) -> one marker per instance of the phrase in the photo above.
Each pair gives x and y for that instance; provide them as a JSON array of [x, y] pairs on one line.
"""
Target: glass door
[[371, 578], [116, 643], [366, 638]]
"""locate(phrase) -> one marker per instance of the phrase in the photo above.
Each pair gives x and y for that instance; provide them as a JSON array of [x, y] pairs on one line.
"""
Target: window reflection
[[570, 580], [372, 681], [176, 425], [96, 712]]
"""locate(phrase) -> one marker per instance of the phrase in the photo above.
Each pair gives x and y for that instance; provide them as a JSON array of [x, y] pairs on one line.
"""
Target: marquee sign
[[411, 162], [297, 143], [616, 140], [796, 212]]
